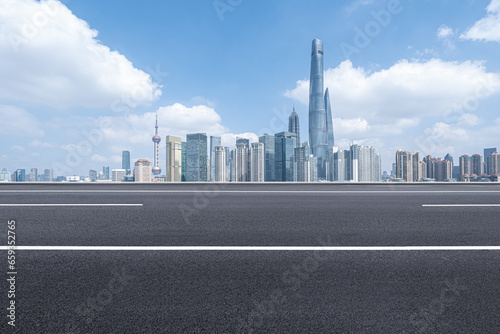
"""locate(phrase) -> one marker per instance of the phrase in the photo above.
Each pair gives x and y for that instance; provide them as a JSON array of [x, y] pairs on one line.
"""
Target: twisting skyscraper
[[320, 124], [156, 141]]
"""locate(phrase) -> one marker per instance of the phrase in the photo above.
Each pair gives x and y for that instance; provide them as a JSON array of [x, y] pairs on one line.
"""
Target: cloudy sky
[[80, 80]]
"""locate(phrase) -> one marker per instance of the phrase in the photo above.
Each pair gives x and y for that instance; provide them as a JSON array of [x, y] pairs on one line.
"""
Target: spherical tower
[[156, 141]]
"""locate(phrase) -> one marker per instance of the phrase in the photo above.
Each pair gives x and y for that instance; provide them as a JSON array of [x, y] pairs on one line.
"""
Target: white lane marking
[[254, 191], [253, 248], [69, 205], [461, 205]]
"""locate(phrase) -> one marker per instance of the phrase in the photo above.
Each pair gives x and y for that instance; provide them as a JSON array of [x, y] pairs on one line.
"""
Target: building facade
[[269, 157], [143, 171], [257, 162], [174, 159], [196, 158], [284, 150]]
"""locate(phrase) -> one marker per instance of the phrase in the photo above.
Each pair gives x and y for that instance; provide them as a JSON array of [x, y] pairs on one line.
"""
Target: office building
[[269, 157], [174, 159], [214, 142], [105, 172], [341, 165], [284, 149], [143, 171], [302, 164], [126, 162], [422, 170], [257, 159], [183, 161], [20, 175], [48, 175], [407, 166], [92, 175], [33, 176], [5, 175], [320, 127], [118, 175], [294, 126], [196, 158]]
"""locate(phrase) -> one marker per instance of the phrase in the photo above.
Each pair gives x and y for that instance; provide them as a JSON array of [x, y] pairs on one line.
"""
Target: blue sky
[[80, 80]]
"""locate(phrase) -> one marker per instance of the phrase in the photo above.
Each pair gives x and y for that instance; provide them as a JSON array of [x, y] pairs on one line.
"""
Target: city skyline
[[388, 87]]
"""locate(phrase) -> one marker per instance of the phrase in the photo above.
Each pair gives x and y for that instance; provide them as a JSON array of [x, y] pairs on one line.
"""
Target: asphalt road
[[267, 291]]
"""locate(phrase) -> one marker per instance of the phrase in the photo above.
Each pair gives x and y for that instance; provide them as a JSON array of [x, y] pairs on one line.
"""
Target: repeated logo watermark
[[222, 7], [425, 319], [85, 314], [363, 36], [292, 280]]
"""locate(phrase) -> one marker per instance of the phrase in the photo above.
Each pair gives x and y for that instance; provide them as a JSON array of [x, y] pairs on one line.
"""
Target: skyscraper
[[214, 141], [294, 126], [118, 175], [493, 163], [126, 162], [220, 164], [442, 169], [477, 164], [269, 157], [487, 152], [329, 121], [242, 162], [196, 157], [142, 171], [33, 175], [320, 125], [407, 166], [92, 175], [5, 175], [21, 175], [183, 161], [284, 149], [105, 172], [301, 166], [257, 162], [174, 159], [48, 175], [156, 141]]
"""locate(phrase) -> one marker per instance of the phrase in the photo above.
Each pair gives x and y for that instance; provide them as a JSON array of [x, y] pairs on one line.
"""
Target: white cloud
[[488, 28], [17, 148], [446, 35], [444, 32], [98, 158], [40, 144], [353, 6], [407, 90], [50, 56], [17, 122], [350, 126]]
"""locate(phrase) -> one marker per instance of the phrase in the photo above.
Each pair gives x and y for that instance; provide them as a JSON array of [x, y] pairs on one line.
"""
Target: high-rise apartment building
[[442, 169], [33, 176], [294, 126], [242, 162], [269, 157], [407, 166], [5, 175], [196, 158], [257, 162], [143, 171], [477, 164], [174, 159], [487, 152], [284, 149], [219, 159], [92, 175], [493, 163], [302, 163]]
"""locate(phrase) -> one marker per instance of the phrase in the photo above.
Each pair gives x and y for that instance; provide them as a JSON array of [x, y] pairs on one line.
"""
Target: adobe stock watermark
[[223, 6], [200, 201], [292, 280], [373, 28], [87, 311], [426, 317], [37, 21], [468, 105]]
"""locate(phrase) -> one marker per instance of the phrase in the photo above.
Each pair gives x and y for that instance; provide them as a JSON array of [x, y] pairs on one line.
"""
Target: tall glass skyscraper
[[183, 161], [269, 157], [196, 157], [126, 162], [214, 142], [284, 150], [294, 125], [320, 125]]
